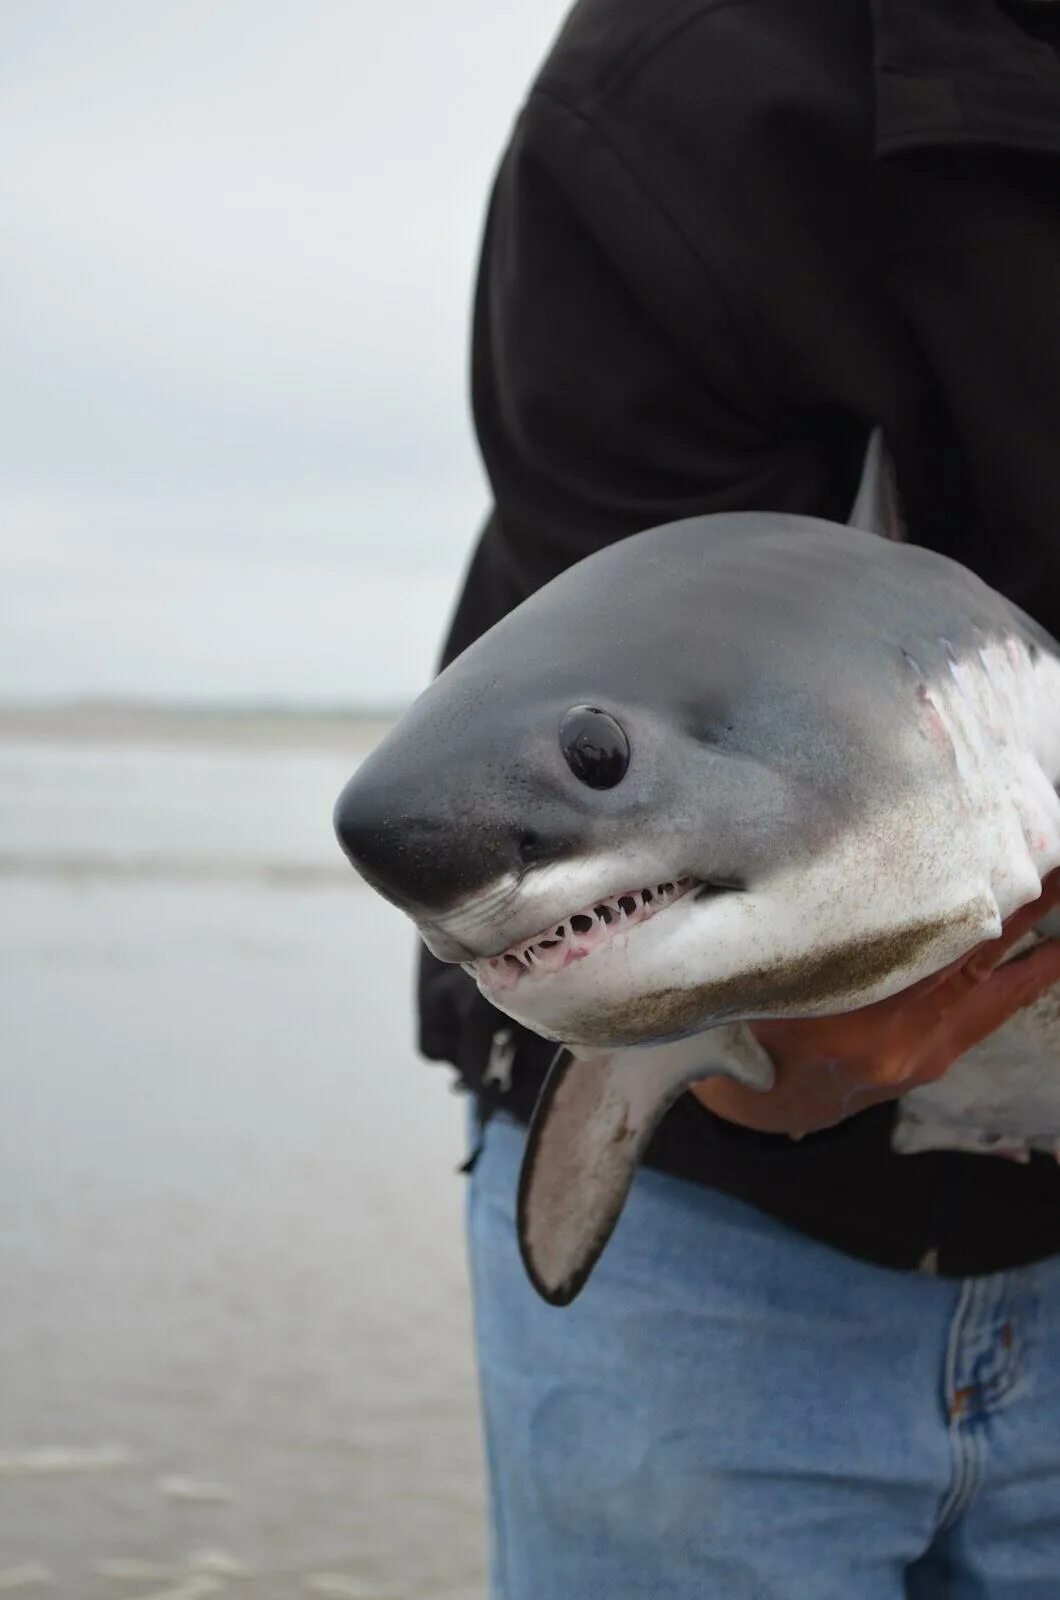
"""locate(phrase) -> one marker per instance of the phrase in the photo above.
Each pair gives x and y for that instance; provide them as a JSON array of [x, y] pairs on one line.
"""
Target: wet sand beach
[[234, 1344]]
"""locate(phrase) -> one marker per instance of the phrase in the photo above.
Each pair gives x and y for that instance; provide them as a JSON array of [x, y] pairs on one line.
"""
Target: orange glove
[[829, 1067]]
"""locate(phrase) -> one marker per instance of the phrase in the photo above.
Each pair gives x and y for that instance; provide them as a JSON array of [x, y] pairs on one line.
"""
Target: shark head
[[653, 798]]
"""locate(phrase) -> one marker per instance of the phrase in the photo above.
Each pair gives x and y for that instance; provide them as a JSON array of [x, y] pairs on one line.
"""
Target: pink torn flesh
[[577, 936]]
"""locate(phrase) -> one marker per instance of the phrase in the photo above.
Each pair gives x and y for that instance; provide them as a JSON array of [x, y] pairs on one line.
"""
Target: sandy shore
[[252, 727]]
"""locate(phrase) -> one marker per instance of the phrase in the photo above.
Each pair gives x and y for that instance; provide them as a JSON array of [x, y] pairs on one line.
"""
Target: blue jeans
[[731, 1411]]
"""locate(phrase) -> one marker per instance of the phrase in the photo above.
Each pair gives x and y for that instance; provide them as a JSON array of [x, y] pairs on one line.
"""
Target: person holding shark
[[757, 813]]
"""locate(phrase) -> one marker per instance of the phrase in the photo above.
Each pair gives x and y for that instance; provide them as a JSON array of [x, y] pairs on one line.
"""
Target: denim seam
[[967, 1477], [966, 1474]]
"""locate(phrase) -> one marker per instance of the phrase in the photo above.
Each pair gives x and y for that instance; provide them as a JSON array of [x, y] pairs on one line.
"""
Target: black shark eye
[[594, 746]]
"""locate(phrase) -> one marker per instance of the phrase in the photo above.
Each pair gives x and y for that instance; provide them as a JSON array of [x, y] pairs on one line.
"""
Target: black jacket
[[727, 237]]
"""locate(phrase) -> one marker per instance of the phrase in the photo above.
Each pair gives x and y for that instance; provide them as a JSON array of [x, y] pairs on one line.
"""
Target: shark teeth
[[578, 935]]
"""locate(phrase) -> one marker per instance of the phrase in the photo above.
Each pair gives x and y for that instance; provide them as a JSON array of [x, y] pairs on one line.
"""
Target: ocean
[[235, 1348]]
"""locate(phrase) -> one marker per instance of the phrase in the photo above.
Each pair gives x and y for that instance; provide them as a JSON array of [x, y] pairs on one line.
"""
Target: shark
[[741, 766]]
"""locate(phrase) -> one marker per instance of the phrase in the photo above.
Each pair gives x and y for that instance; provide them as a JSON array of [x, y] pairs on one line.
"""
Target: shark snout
[[428, 851], [411, 854]]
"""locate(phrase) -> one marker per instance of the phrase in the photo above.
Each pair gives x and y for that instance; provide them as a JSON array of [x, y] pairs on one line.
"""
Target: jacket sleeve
[[614, 386]]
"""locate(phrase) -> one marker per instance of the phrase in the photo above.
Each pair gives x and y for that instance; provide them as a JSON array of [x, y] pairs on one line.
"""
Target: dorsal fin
[[877, 507]]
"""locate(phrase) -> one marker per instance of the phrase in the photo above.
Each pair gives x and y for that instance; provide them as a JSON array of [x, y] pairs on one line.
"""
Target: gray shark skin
[[834, 771]]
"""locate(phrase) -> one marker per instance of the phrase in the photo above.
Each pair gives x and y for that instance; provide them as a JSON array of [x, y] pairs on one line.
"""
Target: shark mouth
[[576, 937]]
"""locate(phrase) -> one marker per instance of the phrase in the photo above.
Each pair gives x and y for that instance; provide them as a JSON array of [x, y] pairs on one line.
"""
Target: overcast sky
[[237, 243]]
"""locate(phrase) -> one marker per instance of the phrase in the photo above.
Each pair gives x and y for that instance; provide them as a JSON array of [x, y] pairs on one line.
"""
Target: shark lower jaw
[[721, 955], [576, 938]]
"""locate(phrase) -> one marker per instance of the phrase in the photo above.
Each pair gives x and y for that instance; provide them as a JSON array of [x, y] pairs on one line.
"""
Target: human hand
[[827, 1068]]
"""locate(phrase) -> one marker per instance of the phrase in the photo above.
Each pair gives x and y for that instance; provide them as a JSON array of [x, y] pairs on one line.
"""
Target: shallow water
[[234, 1299]]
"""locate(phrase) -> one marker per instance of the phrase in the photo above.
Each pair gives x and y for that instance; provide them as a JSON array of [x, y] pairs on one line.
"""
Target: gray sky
[[237, 243]]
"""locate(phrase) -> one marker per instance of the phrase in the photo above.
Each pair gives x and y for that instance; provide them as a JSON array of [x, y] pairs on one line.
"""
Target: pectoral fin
[[590, 1128]]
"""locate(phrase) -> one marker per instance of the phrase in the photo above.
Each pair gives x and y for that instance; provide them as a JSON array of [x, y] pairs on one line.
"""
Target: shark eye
[[594, 746]]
